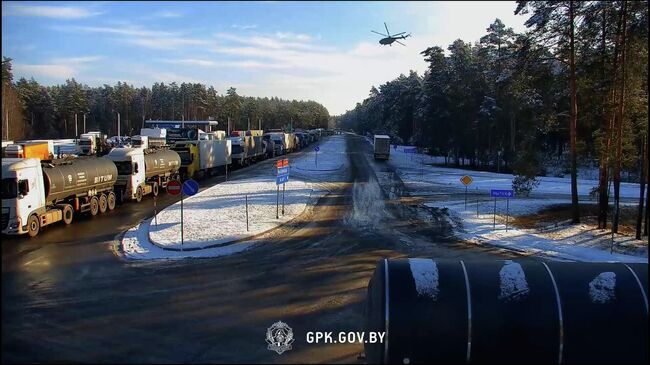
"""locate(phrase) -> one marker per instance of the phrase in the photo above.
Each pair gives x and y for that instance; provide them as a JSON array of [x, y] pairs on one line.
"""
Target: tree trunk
[[619, 126], [573, 120], [644, 173]]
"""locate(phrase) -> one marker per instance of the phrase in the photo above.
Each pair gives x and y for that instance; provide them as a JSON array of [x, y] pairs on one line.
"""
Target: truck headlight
[[14, 223]]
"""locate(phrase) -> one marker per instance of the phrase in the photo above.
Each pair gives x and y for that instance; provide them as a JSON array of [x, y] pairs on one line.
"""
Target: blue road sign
[[317, 149], [501, 193], [190, 187], [283, 171], [281, 179], [410, 150]]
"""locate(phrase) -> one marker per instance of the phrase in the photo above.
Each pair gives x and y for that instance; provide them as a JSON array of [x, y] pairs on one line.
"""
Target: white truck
[[141, 172], [35, 195], [89, 143], [150, 138], [382, 147], [247, 146]]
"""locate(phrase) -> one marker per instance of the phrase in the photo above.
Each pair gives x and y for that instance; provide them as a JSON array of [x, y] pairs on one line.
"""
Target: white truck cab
[[23, 193], [130, 171]]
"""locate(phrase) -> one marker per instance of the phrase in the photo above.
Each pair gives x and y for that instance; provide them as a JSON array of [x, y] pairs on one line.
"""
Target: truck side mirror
[[135, 168], [23, 187]]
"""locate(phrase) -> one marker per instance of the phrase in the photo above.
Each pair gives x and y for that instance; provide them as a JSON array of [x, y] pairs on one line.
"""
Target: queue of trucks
[[39, 189]]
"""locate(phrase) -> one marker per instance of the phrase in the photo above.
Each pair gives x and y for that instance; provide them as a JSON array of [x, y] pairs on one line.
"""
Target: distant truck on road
[[35, 195], [41, 150], [382, 147]]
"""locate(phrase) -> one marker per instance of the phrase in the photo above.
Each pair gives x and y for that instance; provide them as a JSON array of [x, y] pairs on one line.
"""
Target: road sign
[[278, 163], [174, 187], [410, 150], [466, 180], [317, 149], [283, 171], [285, 162], [190, 187], [281, 179], [494, 193]]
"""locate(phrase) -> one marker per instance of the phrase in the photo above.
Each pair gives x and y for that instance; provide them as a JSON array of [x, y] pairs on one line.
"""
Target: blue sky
[[322, 51]]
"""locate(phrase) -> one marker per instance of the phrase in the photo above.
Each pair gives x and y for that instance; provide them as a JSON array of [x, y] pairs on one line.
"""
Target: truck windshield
[[236, 149], [9, 188], [85, 142], [124, 167]]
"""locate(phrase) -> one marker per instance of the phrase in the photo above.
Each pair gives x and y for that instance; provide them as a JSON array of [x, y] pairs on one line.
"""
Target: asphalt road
[[68, 297]]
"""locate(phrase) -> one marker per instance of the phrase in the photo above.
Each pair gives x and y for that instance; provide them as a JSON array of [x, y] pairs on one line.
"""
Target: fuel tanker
[[36, 194], [142, 171]]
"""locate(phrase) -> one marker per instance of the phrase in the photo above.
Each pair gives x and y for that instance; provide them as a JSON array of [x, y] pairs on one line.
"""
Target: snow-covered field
[[216, 216], [443, 189]]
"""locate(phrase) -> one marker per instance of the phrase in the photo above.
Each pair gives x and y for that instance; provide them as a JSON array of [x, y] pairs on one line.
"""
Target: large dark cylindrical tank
[[508, 312], [78, 177], [161, 162]]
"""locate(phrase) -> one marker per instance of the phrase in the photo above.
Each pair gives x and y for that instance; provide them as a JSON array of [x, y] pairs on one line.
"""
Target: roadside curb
[[241, 239]]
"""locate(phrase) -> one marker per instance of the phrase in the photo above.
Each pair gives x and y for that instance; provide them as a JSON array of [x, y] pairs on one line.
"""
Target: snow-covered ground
[[216, 217], [442, 188]]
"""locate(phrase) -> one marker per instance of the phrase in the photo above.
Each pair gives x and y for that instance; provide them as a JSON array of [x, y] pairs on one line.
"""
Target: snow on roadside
[[136, 246], [571, 242], [216, 216]]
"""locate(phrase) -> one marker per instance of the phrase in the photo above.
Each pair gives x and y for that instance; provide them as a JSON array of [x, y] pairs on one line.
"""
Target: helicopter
[[391, 38]]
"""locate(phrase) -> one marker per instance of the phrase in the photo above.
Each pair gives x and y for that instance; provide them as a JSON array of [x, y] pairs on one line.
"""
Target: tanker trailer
[[141, 172], [35, 195]]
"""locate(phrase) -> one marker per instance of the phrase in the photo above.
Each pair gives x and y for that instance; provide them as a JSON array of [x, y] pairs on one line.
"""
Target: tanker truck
[[36, 194], [141, 172]]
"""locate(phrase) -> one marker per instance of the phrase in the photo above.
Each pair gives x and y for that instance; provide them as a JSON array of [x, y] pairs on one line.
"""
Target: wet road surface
[[66, 296]]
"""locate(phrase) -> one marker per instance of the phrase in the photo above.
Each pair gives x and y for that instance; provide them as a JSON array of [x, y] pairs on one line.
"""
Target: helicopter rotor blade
[[395, 35], [400, 43], [386, 26], [379, 33]]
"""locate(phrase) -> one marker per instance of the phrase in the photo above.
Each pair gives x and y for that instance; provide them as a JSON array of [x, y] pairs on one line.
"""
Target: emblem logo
[[279, 337]]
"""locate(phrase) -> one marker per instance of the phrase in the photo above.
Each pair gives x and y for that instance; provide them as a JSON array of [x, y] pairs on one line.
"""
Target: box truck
[[382, 147]]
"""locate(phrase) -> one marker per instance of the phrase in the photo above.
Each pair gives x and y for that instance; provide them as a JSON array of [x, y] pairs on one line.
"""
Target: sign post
[[282, 177], [155, 211], [190, 187], [316, 150], [246, 212], [174, 187], [466, 180], [501, 194]]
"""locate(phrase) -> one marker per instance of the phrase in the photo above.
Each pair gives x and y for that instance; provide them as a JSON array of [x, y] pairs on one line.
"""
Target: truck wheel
[[154, 189], [103, 204], [94, 206], [138, 194], [33, 226], [68, 214], [111, 200]]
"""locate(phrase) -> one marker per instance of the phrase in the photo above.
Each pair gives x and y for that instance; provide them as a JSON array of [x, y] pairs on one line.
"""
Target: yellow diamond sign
[[466, 180]]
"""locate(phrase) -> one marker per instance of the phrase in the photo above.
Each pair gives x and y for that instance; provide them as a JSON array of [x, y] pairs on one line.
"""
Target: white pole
[[84, 122], [76, 132], [118, 125]]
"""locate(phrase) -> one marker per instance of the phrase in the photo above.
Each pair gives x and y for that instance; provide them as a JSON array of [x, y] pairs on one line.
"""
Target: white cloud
[[77, 60], [244, 26], [293, 36], [60, 12], [190, 62], [167, 14], [153, 39], [52, 71]]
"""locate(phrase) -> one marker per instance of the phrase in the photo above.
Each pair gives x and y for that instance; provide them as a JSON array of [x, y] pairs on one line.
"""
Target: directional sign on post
[[466, 180], [190, 187], [494, 193], [281, 179], [317, 149], [174, 187]]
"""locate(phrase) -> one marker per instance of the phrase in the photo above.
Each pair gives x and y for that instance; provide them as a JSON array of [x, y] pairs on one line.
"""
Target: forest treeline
[[40, 111], [572, 89]]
